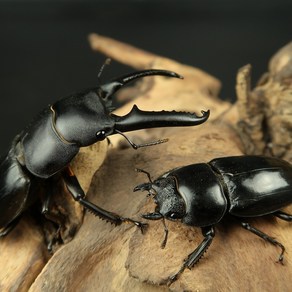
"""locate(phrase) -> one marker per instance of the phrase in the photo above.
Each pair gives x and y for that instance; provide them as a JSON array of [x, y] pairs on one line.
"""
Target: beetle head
[[169, 203], [86, 117]]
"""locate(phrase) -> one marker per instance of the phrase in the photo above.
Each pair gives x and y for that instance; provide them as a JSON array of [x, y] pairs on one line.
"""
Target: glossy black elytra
[[41, 153], [202, 194]]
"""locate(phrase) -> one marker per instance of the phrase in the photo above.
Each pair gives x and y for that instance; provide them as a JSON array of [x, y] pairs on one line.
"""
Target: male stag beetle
[[41, 153], [202, 194]]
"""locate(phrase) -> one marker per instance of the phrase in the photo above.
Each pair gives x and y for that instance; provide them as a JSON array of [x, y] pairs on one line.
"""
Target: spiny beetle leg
[[78, 195], [194, 257], [266, 237]]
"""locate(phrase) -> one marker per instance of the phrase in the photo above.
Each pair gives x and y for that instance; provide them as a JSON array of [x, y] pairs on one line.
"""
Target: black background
[[44, 53]]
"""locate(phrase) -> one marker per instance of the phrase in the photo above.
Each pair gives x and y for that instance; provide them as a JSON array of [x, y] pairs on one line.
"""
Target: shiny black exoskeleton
[[202, 194], [41, 154]]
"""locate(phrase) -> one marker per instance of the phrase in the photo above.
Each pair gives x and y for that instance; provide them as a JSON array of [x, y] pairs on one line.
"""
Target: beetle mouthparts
[[143, 187], [152, 216], [108, 89], [138, 119]]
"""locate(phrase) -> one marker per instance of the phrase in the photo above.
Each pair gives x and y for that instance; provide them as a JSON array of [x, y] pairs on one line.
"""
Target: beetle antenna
[[105, 63], [146, 172], [163, 244], [136, 146]]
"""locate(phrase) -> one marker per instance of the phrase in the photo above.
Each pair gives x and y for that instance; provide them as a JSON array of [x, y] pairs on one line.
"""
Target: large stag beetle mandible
[[43, 150], [202, 194]]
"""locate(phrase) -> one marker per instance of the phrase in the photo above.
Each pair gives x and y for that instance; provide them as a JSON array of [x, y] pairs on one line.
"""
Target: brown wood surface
[[102, 257]]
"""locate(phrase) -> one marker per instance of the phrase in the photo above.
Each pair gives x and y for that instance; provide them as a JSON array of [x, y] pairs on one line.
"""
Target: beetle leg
[[194, 257], [282, 215], [52, 234], [163, 244], [78, 195], [266, 237], [158, 216]]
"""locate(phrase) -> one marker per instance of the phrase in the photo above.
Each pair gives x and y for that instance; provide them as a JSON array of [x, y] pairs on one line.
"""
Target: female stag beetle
[[41, 153], [202, 194]]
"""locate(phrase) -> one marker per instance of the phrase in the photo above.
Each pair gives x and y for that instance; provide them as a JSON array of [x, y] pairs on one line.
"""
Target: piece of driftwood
[[265, 122], [24, 251], [102, 257]]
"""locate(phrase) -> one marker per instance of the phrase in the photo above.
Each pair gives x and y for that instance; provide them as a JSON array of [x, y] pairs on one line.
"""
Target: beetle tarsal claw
[[171, 279], [141, 225]]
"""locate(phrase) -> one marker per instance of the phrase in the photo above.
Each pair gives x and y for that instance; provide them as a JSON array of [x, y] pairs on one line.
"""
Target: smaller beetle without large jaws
[[202, 194]]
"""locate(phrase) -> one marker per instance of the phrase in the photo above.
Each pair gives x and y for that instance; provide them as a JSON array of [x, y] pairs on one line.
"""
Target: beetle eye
[[100, 134], [173, 216]]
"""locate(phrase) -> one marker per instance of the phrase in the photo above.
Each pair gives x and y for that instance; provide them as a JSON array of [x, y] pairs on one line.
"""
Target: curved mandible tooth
[[138, 119], [108, 89]]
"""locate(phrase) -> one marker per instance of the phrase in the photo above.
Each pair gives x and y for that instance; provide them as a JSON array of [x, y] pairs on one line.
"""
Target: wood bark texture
[[102, 257]]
